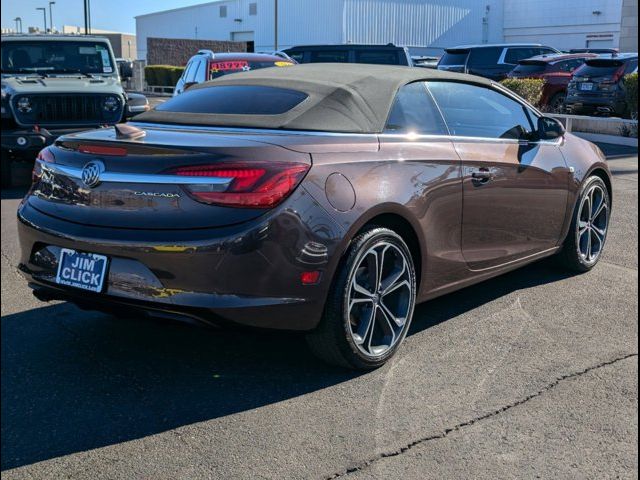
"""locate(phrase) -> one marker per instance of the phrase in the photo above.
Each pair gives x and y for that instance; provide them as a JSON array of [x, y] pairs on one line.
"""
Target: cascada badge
[[91, 173]]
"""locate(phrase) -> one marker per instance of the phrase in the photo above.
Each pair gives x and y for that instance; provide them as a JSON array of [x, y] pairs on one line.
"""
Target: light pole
[[51, 15], [275, 25], [87, 17], [44, 14], [18, 20]]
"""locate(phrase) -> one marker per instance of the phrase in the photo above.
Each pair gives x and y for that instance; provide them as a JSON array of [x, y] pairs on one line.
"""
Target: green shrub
[[631, 94], [150, 75], [528, 88], [162, 75]]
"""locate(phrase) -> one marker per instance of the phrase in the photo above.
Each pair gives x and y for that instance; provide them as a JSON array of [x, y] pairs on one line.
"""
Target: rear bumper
[[248, 274], [579, 103]]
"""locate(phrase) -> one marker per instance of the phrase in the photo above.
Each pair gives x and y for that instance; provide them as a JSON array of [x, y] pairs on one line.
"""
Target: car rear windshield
[[235, 100], [454, 57], [56, 57], [529, 68], [599, 67], [221, 68]]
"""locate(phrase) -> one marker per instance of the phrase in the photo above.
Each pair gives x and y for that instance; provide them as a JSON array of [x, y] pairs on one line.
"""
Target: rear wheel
[[588, 232], [556, 104], [370, 305]]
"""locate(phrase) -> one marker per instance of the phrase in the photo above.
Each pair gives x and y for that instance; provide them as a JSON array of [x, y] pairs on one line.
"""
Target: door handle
[[482, 175]]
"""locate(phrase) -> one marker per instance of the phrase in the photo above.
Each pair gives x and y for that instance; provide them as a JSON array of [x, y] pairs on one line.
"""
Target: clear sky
[[105, 14]]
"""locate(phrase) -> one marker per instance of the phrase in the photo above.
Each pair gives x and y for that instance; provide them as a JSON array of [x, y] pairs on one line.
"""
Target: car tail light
[[251, 185], [45, 155]]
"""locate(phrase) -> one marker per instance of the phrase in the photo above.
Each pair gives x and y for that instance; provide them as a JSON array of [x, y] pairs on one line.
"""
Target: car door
[[514, 190]]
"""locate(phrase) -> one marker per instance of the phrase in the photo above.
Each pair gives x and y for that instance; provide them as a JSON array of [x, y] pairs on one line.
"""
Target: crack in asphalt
[[11, 266], [367, 463]]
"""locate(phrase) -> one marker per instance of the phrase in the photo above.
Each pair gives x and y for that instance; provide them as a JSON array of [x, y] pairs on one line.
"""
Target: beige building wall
[[629, 26]]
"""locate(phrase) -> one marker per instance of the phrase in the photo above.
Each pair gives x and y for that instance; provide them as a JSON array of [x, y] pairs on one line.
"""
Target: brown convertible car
[[324, 198]]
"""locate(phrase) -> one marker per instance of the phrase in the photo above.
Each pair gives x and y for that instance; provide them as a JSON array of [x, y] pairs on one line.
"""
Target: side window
[[474, 111], [380, 57], [484, 56], [297, 55], [193, 73], [185, 74], [544, 51], [414, 111], [201, 72], [337, 56], [566, 66], [514, 55], [573, 64]]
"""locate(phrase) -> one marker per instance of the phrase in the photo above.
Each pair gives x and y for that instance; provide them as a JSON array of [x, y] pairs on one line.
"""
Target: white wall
[[562, 24], [434, 23], [300, 22], [437, 23], [197, 22]]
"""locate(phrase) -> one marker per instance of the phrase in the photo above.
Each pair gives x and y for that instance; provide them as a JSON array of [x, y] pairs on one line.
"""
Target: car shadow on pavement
[[74, 380]]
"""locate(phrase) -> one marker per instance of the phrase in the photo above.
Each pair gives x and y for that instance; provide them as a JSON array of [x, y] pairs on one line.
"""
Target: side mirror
[[550, 128]]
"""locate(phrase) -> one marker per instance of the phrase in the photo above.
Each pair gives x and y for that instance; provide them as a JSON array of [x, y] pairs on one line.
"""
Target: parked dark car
[[598, 87], [490, 61], [350, 53], [556, 71], [324, 198], [207, 65]]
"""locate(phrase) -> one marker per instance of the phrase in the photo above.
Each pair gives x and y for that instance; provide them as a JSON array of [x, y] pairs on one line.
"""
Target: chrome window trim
[[373, 136], [254, 131], [119, 177]]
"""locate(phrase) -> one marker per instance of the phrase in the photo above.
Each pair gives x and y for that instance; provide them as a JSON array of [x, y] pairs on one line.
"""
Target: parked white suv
[[206, 65]]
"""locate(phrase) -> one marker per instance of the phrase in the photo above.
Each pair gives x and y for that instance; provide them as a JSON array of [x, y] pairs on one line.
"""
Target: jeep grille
[[73, 109]]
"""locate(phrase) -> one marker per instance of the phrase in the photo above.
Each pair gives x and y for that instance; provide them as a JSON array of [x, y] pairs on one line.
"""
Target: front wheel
[[588, 232], [370, 305]]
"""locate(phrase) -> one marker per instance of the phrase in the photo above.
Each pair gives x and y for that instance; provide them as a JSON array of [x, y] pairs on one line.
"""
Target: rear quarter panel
[[419, 181], [585, 158]]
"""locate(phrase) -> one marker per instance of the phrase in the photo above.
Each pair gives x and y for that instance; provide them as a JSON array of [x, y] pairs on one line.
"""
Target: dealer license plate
[[81, 270]]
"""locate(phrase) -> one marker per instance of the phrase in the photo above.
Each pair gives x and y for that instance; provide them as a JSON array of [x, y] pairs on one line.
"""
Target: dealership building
[[428, 25]]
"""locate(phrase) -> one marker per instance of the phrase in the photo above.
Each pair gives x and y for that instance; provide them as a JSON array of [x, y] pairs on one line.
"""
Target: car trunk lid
[[167, 179]]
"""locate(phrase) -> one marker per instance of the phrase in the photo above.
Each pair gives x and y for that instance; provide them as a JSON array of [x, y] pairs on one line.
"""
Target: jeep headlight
[[110, 104], [23, 104]]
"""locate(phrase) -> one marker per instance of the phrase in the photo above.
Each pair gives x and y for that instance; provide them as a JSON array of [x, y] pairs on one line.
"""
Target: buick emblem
[[91, 173]]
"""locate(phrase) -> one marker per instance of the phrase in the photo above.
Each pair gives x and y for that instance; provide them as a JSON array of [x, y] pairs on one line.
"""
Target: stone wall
[[178, 51]]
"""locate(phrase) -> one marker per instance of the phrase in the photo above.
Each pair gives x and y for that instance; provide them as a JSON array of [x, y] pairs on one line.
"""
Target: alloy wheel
[[380, 299], [593, 221]]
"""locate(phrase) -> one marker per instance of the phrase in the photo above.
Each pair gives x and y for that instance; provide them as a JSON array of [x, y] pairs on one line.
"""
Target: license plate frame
[[81, 270]]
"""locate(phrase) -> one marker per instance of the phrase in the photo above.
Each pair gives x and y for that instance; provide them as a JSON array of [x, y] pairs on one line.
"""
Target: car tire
[[556, 104], [582, 249], [365, 321]]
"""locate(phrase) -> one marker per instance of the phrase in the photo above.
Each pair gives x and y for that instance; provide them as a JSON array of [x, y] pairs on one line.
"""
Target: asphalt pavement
[[529, 375]]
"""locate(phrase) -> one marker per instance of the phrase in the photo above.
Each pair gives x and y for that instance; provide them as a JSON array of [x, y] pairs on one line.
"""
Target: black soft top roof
[[353, 98]]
